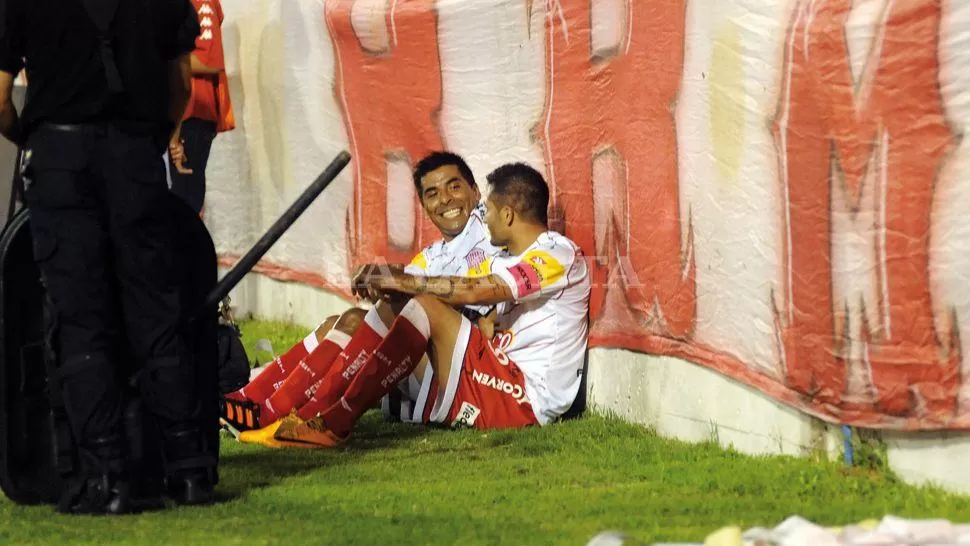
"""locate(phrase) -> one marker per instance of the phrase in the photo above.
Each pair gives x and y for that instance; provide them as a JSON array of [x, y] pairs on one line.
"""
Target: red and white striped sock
[[266, 383], [297, 388], [333, 384], [396, 357]]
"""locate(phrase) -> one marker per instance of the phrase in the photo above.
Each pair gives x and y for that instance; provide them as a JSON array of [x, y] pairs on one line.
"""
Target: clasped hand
[[374, 283], [176, 149]]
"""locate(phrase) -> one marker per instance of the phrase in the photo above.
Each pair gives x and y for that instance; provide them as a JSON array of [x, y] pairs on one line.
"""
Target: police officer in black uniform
[[107, 79]]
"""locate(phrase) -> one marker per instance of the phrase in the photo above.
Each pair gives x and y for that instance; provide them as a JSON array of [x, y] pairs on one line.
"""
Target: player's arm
[[519, 279], [488, 290], [199, 68], [185, 31], [179, 94], [9, 118], [179, 88], [11, 63]]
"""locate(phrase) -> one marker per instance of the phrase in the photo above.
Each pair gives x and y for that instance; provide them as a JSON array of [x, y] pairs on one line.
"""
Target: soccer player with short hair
[[529, 375]]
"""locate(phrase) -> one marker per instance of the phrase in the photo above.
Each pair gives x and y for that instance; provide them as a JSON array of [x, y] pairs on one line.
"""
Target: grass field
[[398, 484]]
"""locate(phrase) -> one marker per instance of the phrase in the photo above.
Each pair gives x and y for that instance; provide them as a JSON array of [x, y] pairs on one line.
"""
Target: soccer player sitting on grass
[[452, 201], [528, 375]]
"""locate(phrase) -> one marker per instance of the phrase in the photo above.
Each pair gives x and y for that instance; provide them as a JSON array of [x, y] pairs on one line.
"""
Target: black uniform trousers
[[197, 136], [105, 245]]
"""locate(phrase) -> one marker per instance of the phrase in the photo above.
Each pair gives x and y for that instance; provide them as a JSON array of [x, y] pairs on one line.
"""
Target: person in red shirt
[[209, 111]]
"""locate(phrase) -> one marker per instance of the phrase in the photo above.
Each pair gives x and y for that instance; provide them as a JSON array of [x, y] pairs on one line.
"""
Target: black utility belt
[[132, 127], [65, 127], [158, 133]]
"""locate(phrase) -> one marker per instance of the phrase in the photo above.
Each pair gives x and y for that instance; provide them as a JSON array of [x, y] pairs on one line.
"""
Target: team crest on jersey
[[502, 340], [500, 343], [475, 258]]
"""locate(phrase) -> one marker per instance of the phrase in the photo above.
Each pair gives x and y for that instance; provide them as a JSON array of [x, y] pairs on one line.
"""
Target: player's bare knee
[[325, 327], [350, 320], [442, 318]]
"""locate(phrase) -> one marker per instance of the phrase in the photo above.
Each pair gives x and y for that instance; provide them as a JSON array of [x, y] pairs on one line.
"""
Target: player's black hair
[[523, 188], [436, 160]]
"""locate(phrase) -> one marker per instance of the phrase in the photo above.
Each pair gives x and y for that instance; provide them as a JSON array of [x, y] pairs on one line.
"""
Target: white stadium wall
[[770, 192]]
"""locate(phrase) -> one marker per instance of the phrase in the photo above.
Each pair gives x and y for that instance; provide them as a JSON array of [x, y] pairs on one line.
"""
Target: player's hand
[[486, 323], [368, 283], [358, 283], [176, 150], [377, 289]]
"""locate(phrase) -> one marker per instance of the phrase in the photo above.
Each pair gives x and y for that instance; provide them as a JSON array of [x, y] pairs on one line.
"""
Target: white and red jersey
[[545, 329]]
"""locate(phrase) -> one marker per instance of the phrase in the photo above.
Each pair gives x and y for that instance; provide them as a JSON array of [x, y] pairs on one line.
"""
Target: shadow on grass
[[244, 468], [374, 433]]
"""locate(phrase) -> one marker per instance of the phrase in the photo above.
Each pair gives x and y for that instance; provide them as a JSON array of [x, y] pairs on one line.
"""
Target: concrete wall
[[678, 399]]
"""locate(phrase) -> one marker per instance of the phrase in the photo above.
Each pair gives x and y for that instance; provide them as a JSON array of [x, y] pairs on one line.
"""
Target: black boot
[[189, 470], [102, 487], [191, 489], [98, 495]]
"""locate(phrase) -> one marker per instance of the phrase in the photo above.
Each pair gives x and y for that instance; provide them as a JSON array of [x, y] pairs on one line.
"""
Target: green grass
[[282, 335], [400, 484]]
